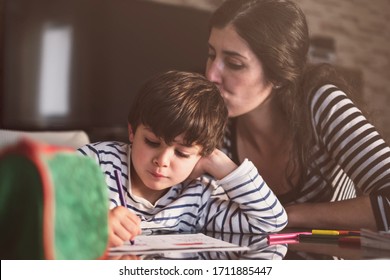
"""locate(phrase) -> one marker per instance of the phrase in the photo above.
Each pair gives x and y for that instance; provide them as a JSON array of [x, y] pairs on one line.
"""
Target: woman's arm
[[352, 214], [354, 144]]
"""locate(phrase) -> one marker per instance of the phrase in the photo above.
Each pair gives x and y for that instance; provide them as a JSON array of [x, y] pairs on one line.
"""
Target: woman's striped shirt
[[239, 203], [350, 158]]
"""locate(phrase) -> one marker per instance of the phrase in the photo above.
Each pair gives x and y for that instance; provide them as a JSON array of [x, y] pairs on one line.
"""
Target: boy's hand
[[123, 226], [217, 164]]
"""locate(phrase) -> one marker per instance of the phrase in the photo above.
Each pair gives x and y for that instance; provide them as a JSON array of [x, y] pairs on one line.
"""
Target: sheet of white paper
[[148, 244]]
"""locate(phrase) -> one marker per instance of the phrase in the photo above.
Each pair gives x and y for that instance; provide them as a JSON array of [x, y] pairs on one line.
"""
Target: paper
[[148, 244]]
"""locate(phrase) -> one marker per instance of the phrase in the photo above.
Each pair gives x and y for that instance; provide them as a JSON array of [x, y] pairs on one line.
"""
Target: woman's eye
[[234, 66], [181, 154], [151, 143], [211, 56]]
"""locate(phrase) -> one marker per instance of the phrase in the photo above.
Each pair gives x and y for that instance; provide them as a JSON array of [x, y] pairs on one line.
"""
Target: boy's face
[[157, 165]]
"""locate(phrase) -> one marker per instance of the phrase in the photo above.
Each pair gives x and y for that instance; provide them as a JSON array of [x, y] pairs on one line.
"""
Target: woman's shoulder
[[325, 90], [325, 94]]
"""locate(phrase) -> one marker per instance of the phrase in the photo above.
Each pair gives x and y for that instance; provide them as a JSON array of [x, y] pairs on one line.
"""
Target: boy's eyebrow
[[149, 130], [191, 146], [183, 144], [174, 141], [186, 145]]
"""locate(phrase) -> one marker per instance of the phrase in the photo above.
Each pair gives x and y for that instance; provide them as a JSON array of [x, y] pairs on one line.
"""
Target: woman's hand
[[124, 225]]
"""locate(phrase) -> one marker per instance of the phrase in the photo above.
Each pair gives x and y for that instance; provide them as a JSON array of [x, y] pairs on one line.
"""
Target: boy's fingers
[[131, 226], [121, 234], [115, 240], [133, 217], [123, 212], [125, 225]]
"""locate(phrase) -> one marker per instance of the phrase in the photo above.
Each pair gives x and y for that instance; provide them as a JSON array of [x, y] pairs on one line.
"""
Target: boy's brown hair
[[174, 103]]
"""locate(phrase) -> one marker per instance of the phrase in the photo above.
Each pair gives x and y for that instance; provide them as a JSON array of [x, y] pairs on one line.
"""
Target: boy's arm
[[251, 207], [123, 224], [218, 165]]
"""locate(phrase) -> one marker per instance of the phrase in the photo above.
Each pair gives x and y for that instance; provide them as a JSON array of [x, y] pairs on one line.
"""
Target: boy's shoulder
[[109, 144], [106, 146]]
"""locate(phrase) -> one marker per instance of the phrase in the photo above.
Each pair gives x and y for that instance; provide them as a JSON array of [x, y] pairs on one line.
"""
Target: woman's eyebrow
[[233, 53]]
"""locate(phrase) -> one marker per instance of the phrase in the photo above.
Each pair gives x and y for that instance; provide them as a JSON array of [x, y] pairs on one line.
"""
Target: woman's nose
[[213, 71]]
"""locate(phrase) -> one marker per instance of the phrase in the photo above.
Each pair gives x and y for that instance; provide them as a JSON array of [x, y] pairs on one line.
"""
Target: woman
[[298, 124]]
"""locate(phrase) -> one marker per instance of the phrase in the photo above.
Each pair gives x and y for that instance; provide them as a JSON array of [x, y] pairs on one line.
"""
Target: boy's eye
[[151, 143], [181, 154]]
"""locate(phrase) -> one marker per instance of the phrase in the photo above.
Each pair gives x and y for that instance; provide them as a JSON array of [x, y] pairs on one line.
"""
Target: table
[[260, 250]]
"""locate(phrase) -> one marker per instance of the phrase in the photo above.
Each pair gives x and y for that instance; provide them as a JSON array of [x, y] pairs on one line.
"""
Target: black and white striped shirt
[[350, 156], [239, 203]]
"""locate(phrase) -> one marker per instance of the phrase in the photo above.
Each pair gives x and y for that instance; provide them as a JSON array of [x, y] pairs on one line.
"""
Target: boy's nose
[[162, 159]]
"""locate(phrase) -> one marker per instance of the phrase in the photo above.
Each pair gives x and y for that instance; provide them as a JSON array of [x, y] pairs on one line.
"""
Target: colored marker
[[334, 232], [286, 235], [325, 238], [283, 241], [319, 238], [350, 240]]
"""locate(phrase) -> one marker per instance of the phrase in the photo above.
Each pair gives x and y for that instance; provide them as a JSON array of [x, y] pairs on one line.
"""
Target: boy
[[175, 125]]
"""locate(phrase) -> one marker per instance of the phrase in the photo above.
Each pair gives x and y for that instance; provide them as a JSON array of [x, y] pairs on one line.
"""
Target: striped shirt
[[239, 203], [349, 156]]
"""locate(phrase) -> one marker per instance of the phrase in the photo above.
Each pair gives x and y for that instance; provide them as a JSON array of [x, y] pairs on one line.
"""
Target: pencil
[[121, 193]]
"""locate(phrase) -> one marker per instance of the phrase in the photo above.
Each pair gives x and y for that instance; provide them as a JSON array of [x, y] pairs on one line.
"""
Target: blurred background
[[76, 64]]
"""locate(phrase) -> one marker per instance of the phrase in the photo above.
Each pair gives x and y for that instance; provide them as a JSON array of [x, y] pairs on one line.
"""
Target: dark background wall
[[115, 46], [122, 45]]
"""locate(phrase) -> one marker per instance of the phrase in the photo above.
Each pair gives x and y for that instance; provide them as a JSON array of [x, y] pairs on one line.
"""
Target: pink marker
[[286, 235], [282, 241]]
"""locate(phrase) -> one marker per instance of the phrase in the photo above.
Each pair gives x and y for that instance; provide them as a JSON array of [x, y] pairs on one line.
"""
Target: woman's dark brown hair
[[277, 33]]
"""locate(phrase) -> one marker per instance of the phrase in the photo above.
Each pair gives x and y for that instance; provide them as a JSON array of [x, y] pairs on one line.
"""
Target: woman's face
[[237, 72]]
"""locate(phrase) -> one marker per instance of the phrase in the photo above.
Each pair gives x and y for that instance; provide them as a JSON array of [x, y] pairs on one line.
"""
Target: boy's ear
[[131, 133]]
